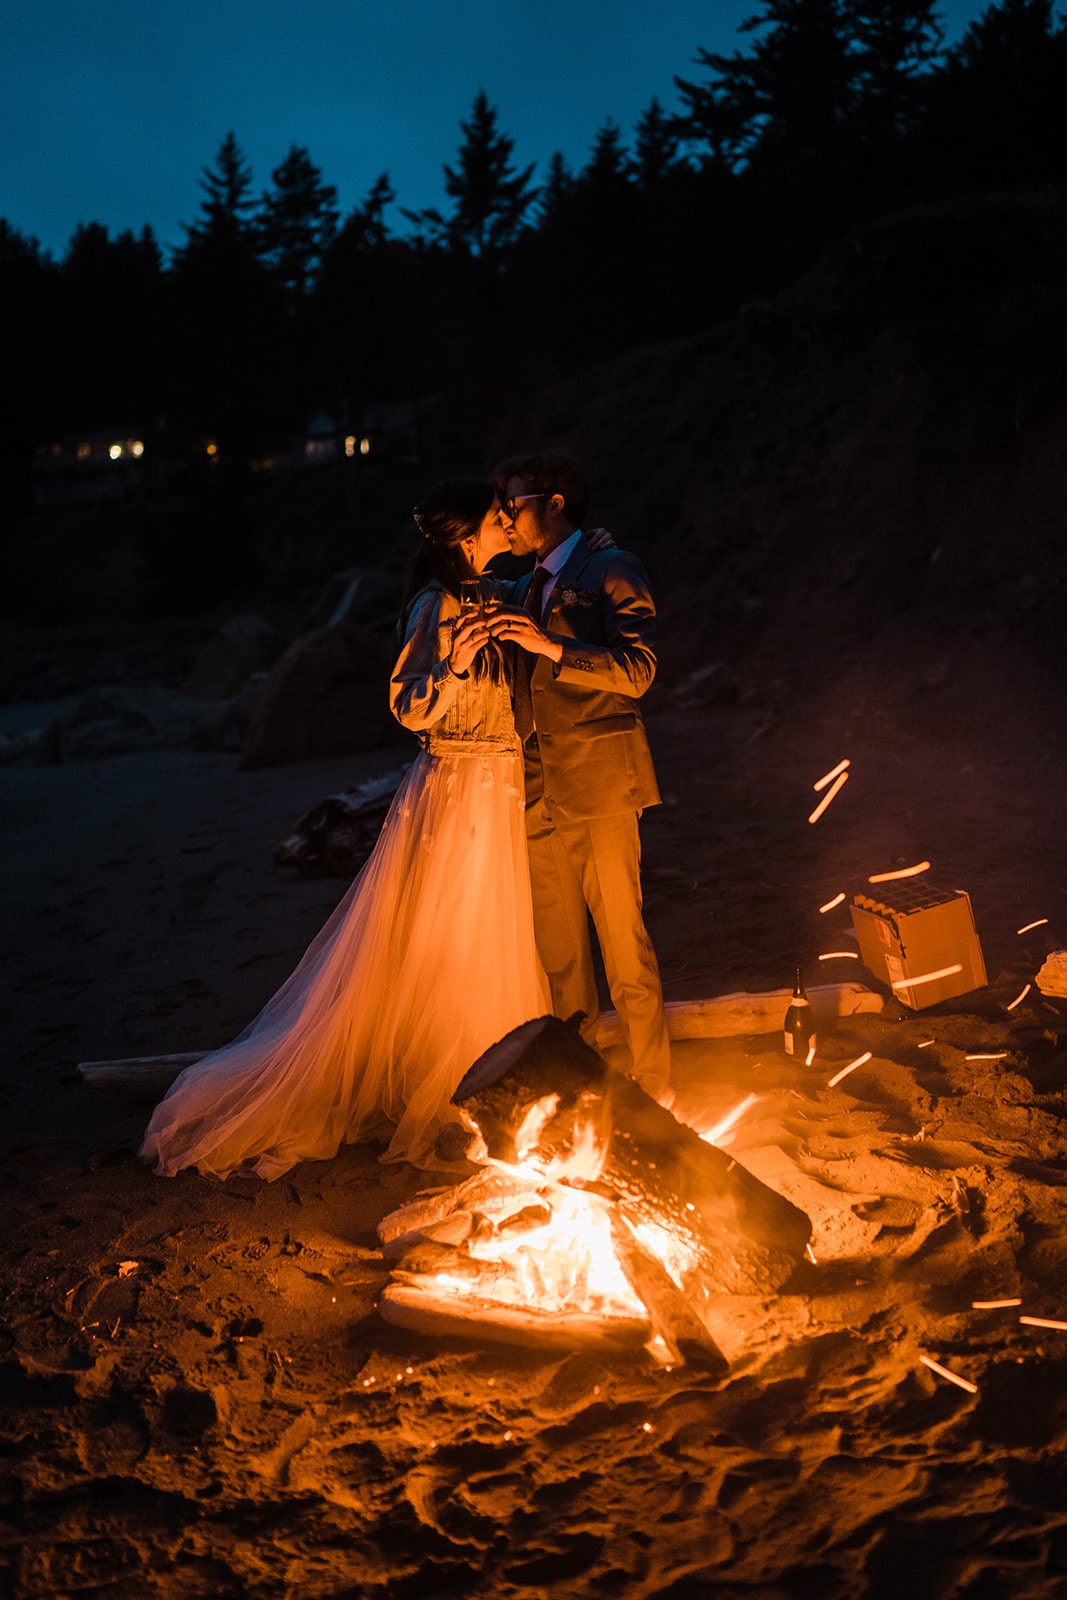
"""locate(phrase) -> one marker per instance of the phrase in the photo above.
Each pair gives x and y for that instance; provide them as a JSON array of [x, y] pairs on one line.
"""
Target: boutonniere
[[570, 599]]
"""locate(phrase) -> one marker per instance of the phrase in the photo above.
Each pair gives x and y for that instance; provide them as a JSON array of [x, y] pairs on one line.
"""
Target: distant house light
[[115, 451], [211, 448], [137, 447], [350, 444], [364, 445], [84, 452]]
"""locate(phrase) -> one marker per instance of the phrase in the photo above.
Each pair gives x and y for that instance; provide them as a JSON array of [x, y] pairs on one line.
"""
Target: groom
[[586, 631]]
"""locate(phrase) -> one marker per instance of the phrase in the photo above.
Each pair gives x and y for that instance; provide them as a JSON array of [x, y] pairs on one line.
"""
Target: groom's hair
[[550, 475]]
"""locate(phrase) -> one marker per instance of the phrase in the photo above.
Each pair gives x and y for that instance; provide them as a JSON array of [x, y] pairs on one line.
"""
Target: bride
[[429, 958]]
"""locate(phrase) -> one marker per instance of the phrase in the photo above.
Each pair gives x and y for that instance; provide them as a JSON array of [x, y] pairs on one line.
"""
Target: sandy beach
[[198, 1396]]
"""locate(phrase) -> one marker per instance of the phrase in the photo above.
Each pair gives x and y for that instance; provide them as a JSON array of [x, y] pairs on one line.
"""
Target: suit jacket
[[593, 745]]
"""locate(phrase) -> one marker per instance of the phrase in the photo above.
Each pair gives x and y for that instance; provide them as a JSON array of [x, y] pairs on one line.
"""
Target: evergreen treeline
[[827, 113]]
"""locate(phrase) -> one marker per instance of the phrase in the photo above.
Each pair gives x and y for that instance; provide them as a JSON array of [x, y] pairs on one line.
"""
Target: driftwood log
[[728, 1015], [146, 1079], [408, 1304], [542, 1094]]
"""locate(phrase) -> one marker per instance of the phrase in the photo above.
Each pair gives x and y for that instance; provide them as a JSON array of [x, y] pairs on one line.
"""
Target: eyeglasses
[[510, 508]]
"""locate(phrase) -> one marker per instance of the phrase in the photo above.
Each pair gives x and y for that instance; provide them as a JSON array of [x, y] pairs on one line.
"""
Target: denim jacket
[[448, 713]]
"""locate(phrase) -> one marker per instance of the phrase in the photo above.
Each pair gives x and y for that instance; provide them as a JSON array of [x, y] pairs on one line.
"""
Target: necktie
[[525, 662], [535, 592]]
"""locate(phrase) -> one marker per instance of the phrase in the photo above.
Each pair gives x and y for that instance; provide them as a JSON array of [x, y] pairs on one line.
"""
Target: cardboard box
[[915, 929]]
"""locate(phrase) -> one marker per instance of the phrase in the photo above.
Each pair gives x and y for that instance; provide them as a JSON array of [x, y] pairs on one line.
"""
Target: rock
[[114, 721], [226, 725], [327, 696], [364, 595], [245, 645], [713, 685]]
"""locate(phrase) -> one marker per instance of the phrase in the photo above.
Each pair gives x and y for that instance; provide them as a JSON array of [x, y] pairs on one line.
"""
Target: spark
[[828, 777], [1047, 1007], [1040, 923], [713, 1135], [508, 1436], [928, 977], [836, 901], [902, 872], [993, 1055], [646, 1427], [866, 1056], [927, 1043], [810, 1253], [810, 1057], [1044, 1322], [994, 1305], [828, 796], [840, 955], [1019, 998], [953, 1377]]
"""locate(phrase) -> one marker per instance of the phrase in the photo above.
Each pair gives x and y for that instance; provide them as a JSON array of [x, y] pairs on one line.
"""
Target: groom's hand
[[518, 627]]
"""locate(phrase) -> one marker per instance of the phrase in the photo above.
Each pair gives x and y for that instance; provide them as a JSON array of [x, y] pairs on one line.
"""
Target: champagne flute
[[470, 596]]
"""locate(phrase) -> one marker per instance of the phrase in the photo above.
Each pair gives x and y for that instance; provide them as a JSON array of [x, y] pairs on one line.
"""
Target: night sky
[[109, 110]]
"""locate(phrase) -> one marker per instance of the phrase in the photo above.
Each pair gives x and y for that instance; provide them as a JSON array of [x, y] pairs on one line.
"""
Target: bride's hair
[[449, 512]]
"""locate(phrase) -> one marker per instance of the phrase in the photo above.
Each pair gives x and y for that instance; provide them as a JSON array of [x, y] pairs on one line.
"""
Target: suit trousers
[[593, 867]]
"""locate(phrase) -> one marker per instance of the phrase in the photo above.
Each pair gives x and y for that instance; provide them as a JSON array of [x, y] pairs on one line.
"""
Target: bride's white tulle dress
[[427, 960]]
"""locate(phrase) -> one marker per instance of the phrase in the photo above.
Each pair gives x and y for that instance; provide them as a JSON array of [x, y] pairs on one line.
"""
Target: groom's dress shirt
[[553, 564]]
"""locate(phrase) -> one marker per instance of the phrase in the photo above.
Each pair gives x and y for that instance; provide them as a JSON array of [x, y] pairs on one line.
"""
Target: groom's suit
[[589, 775]]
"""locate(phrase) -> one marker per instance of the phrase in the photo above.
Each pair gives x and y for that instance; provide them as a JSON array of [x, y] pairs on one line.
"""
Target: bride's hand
[[468, 637], [600, 539], [518, 627]]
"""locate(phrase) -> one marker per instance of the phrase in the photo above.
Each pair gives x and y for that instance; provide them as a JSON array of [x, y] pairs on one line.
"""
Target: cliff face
[[878, 454]]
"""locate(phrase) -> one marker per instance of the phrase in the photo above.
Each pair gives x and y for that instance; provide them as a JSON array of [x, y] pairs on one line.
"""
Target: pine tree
[[656, 139], [490, 198], [224, 221], [895, 44], [296, 222], [788, 96]]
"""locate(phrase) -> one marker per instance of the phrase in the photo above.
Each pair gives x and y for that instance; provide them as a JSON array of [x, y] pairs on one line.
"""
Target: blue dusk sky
[[109, 109]]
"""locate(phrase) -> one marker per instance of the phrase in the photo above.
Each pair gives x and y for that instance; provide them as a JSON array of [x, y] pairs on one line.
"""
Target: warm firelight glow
[[953, 1377], [839, 784], [836, 1079], [902, 872], [830, 904], [928, 977], [828, 777], [1040, 923]]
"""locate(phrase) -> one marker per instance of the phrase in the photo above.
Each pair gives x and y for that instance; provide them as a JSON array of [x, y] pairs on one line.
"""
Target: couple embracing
[[516, 823]]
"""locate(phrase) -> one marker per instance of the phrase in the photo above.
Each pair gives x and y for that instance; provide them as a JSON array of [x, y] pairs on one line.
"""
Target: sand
[[198, 1396]]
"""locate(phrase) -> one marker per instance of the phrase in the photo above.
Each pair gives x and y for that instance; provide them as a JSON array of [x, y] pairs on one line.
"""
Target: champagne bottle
[[799, 1031]]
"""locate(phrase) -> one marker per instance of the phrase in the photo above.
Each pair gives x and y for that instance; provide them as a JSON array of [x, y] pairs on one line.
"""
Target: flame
[[566, 1264]]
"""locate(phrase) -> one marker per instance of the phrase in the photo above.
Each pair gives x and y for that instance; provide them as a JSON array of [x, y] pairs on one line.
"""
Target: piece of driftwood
[[422, 1307], [487, 1192], [728, 1015], [147, 1078], [671, 1314], [142, 1079], [542, 1094]]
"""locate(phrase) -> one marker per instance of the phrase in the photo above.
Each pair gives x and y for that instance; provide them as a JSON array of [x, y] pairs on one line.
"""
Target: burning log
[[686, 1338], [408, 1305], [541, 1095]]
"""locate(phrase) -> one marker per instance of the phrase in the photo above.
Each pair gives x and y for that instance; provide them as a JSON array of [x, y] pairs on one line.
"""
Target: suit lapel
[[569, 577]]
